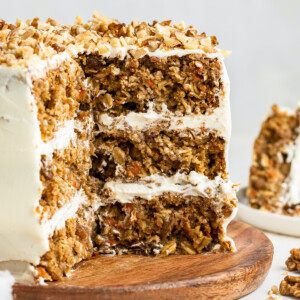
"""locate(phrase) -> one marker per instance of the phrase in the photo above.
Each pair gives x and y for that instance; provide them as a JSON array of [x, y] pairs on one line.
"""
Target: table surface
[[282, 246]]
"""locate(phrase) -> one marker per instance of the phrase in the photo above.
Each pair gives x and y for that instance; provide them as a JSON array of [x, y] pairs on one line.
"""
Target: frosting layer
[[291, 186], [194, 184]]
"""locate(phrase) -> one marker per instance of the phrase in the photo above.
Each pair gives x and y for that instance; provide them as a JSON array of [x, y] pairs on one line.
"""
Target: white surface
[[6, 282], [267, 221], [282, 244]]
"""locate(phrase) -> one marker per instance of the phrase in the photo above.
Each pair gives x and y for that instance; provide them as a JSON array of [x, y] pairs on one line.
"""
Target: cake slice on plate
[[274, 183]]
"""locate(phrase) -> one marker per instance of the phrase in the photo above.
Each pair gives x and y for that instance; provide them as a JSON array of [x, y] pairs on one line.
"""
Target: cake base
[[208, 276]]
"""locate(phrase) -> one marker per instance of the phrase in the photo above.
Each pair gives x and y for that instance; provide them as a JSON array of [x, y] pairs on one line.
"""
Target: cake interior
[[273, 155], [169, 223]]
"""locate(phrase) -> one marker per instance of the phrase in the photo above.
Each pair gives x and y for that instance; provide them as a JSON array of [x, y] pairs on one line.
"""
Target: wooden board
[[209, 276]]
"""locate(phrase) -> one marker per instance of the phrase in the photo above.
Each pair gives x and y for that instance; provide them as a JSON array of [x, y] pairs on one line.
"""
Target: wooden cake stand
[[209, 276]]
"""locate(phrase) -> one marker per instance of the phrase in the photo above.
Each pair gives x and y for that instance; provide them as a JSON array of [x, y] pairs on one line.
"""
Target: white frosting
[[218, 120], [21, 235], [22, 271], [41, 67], [291, 186], [225, 224], [122, 52], [194, 184], [289, 150], [61, 139], [6, 283], [66, 212]]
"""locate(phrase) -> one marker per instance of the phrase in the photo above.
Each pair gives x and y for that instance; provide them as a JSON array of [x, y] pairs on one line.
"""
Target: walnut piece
[[290, 286], [293, 262]]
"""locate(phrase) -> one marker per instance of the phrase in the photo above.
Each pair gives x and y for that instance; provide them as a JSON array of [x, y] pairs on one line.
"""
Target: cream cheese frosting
[[193, 184], [6, 283], [21, 235], [291, 186]]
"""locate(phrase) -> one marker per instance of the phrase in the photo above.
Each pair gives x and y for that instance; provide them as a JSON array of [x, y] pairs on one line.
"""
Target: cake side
[[47, 153]]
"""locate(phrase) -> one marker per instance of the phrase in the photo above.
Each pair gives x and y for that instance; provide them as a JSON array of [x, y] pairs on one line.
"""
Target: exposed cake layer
[[59, 93], [65, 171], [68, 246], [120, 155], [273, 183], [167, 224], [184, 84]]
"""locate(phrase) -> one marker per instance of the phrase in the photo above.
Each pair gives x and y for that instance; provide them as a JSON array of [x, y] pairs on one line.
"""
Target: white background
[[264, 36], [264, 68]]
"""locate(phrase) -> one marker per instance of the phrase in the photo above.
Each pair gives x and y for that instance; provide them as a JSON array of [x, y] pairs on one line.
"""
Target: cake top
[[27, 43]]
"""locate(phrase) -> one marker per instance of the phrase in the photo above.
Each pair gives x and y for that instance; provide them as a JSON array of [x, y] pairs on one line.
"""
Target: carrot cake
[[274, 183], [114, 139]]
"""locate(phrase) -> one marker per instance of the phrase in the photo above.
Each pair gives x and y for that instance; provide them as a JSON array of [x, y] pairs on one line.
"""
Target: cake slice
[[114, 139], [274, 174]]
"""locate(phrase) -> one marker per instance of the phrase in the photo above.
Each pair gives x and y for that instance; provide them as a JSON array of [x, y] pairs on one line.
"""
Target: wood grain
[[209, 276]]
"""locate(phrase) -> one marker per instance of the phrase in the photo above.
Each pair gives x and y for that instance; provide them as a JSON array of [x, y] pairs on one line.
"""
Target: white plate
[[266, 220]]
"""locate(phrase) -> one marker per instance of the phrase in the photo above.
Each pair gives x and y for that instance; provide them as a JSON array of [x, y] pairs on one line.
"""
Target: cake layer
[[187, 84], [273, 183], [59, 93], [140, 154], [68, 246], [65, 172], [165, 224]]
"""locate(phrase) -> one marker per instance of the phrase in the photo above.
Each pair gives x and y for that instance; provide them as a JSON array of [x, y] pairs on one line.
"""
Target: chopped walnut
[[293, 262], [274, 290], [290, 286], [93, 36], [169, 248]]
